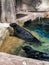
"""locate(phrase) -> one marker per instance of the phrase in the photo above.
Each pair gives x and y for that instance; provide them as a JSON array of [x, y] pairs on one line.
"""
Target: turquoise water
[[41, 33]]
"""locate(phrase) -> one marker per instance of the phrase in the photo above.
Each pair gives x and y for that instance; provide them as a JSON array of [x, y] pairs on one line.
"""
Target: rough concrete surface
[[7, 59]]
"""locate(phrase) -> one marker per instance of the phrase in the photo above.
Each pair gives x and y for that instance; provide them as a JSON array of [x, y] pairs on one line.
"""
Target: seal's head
[[13, 24], [26, 48]]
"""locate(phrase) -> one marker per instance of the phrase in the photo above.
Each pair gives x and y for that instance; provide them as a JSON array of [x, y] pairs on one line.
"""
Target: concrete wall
[[8, 11]]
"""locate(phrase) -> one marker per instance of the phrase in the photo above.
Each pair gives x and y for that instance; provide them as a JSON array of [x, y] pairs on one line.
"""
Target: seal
[[23, 34], [31, 53]]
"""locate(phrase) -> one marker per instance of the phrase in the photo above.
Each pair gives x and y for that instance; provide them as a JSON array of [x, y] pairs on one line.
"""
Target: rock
[[11, 45], [8, 43], [3, 34], [7, 59]]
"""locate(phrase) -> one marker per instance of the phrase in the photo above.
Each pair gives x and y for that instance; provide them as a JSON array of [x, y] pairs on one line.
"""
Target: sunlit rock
[[3, 34], [44, 6]]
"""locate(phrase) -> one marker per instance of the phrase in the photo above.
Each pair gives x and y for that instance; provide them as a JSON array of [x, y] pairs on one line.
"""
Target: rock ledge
[[7, 59]]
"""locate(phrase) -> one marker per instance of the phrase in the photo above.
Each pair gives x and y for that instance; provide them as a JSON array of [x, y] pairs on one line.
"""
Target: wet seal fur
[[31, 53], [23, 34]]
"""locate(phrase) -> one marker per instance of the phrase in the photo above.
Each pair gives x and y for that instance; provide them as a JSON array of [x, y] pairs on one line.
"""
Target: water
[[42, 33]]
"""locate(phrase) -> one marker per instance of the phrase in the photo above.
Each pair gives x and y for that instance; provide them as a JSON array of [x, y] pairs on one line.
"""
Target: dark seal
[[23, 34], [31, 53]]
